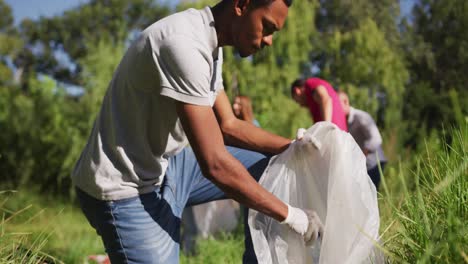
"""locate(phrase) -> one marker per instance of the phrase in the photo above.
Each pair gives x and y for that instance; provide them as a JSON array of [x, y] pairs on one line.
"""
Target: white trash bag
[[325, 172]]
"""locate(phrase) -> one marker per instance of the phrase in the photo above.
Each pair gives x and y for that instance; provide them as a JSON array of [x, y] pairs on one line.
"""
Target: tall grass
[[425, 217], [36, 229], [17, 246], [423, 203]]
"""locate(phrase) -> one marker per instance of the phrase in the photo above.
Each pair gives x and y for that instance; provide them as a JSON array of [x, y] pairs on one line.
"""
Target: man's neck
[[222, 17]]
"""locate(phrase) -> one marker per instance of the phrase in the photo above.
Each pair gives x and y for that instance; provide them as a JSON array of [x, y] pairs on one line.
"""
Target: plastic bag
[[325, 172]]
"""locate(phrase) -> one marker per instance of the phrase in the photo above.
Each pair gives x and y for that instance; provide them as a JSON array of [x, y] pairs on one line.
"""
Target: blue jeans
[[146, 228]]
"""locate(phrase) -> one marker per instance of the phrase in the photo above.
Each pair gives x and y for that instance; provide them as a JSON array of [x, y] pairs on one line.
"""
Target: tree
[[347, 15], [6, 17], [9, 42], [79, 29], [437, 55], [44, 129], [363, 63], [358, 51]]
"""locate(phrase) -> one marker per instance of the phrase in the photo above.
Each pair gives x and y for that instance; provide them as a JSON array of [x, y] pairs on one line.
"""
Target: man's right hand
[[306, 223], [315, 228]]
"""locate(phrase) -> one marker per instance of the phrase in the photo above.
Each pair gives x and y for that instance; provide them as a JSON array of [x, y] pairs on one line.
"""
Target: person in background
[[243, 109], [362, 127], [321, 100]]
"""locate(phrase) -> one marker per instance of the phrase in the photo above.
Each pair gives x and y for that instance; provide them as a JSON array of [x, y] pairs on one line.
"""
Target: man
[[321, 99], [362, 127], [136, 174]]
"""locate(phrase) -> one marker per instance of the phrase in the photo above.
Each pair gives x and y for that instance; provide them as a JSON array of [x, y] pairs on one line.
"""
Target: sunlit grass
[[224, 249], [423, 205], [39, 228], [425, 220]]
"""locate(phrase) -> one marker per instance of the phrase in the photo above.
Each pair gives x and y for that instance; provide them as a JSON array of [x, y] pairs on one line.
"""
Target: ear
[[240, 6]]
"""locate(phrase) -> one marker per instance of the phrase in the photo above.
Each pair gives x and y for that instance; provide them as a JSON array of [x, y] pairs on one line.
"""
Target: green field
[[423, 204]]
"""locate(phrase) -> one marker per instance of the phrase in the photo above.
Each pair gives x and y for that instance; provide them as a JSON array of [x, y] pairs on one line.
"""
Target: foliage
[[73, 31], [9, 42], [436, 48], [47, 128], [427, 218], [363, 63], [36, 122], [6, 18], [38, 229], [345, 15], [358, 51], [98, 68]]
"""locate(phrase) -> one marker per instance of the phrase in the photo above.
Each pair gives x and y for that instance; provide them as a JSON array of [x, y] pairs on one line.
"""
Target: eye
[[268, 28]]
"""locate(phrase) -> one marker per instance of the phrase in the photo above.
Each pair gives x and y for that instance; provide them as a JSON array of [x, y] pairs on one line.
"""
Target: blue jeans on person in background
[[146, 228]]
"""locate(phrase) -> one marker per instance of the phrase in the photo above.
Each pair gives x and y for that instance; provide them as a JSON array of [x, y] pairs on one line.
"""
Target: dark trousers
[[374, 174]]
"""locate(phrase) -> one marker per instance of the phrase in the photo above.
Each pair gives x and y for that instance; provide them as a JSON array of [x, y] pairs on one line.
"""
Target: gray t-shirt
[[362, 127], [137, 129]]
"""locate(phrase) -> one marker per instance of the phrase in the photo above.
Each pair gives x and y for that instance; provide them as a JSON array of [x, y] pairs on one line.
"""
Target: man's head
[[254, 22], [344, 102], [298, 92]]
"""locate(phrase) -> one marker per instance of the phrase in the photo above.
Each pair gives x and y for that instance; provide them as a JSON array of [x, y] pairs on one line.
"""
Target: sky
[[33, 9]]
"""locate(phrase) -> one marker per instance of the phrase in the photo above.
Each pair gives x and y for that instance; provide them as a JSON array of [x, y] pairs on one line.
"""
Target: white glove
[[306, 223], [300, 133], [314, 230]]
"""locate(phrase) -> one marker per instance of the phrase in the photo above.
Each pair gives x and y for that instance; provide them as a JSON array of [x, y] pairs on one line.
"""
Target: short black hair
[[267, 2], [297, 83]]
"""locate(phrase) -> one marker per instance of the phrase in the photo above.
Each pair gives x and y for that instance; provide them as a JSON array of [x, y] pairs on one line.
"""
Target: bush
[[40, 143]]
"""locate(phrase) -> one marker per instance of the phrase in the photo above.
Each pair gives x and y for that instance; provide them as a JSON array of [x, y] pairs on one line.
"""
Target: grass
[[425, 214], [35, 226], [227, 248], [423, 204]]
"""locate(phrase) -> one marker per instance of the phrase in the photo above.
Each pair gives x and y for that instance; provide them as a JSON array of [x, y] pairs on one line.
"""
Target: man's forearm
[[231, 177], [246, 135], [219, 166]]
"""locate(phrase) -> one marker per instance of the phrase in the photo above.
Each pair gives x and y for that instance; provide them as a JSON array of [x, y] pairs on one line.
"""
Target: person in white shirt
[[136, 174], [362, 127]]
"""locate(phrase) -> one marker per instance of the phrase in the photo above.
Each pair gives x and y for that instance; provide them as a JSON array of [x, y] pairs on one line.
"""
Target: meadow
[[423, 204]]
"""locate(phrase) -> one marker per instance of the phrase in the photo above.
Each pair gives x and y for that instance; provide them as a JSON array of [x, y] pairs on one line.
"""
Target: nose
[[268, 40]]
